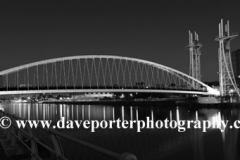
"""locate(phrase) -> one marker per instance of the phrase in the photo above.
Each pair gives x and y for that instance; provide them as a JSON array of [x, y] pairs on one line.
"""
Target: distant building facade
[[235, 55]]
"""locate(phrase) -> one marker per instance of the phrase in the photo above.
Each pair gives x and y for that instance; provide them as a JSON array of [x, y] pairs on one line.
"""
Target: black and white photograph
[[119, 80]]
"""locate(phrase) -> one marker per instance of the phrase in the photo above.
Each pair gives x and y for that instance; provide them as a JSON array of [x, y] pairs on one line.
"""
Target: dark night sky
[[152, 30]]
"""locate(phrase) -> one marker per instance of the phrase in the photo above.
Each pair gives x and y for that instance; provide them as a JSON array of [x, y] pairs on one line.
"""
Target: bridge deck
[[103, 91]]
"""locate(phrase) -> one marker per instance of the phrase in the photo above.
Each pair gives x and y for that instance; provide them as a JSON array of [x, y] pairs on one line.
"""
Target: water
[[149, 144]]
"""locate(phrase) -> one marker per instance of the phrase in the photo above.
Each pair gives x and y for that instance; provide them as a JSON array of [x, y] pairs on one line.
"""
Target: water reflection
[[150, 144]]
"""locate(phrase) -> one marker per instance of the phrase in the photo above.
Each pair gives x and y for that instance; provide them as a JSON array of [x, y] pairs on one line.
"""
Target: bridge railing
[[18, 138], [12, 88]]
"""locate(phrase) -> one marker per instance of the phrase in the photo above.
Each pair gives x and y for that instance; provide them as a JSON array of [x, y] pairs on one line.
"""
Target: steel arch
[[175, 72]]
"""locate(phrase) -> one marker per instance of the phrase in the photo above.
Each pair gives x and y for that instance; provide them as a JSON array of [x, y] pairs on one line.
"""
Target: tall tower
[[195, 67], [226, 75]]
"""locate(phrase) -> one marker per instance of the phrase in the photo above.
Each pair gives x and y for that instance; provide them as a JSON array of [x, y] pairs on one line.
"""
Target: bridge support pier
[[227, 80], [195, 66]]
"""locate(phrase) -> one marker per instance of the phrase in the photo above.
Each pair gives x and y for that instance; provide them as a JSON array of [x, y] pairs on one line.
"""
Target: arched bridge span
[[98, 73]]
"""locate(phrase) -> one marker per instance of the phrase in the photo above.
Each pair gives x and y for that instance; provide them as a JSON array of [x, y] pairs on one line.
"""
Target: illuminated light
[[214, 91], [122, 96]]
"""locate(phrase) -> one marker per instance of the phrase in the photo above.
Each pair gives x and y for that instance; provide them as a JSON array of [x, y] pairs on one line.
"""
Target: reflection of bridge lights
[[152, 118], [123, 113], [170, 115], [177, 115], [122, 96], [216, 121], [214, 117], [136, 113], [113, 113], [131, 113]]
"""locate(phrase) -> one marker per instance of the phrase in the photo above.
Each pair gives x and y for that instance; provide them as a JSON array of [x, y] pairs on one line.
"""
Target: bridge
[[98, 74]]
